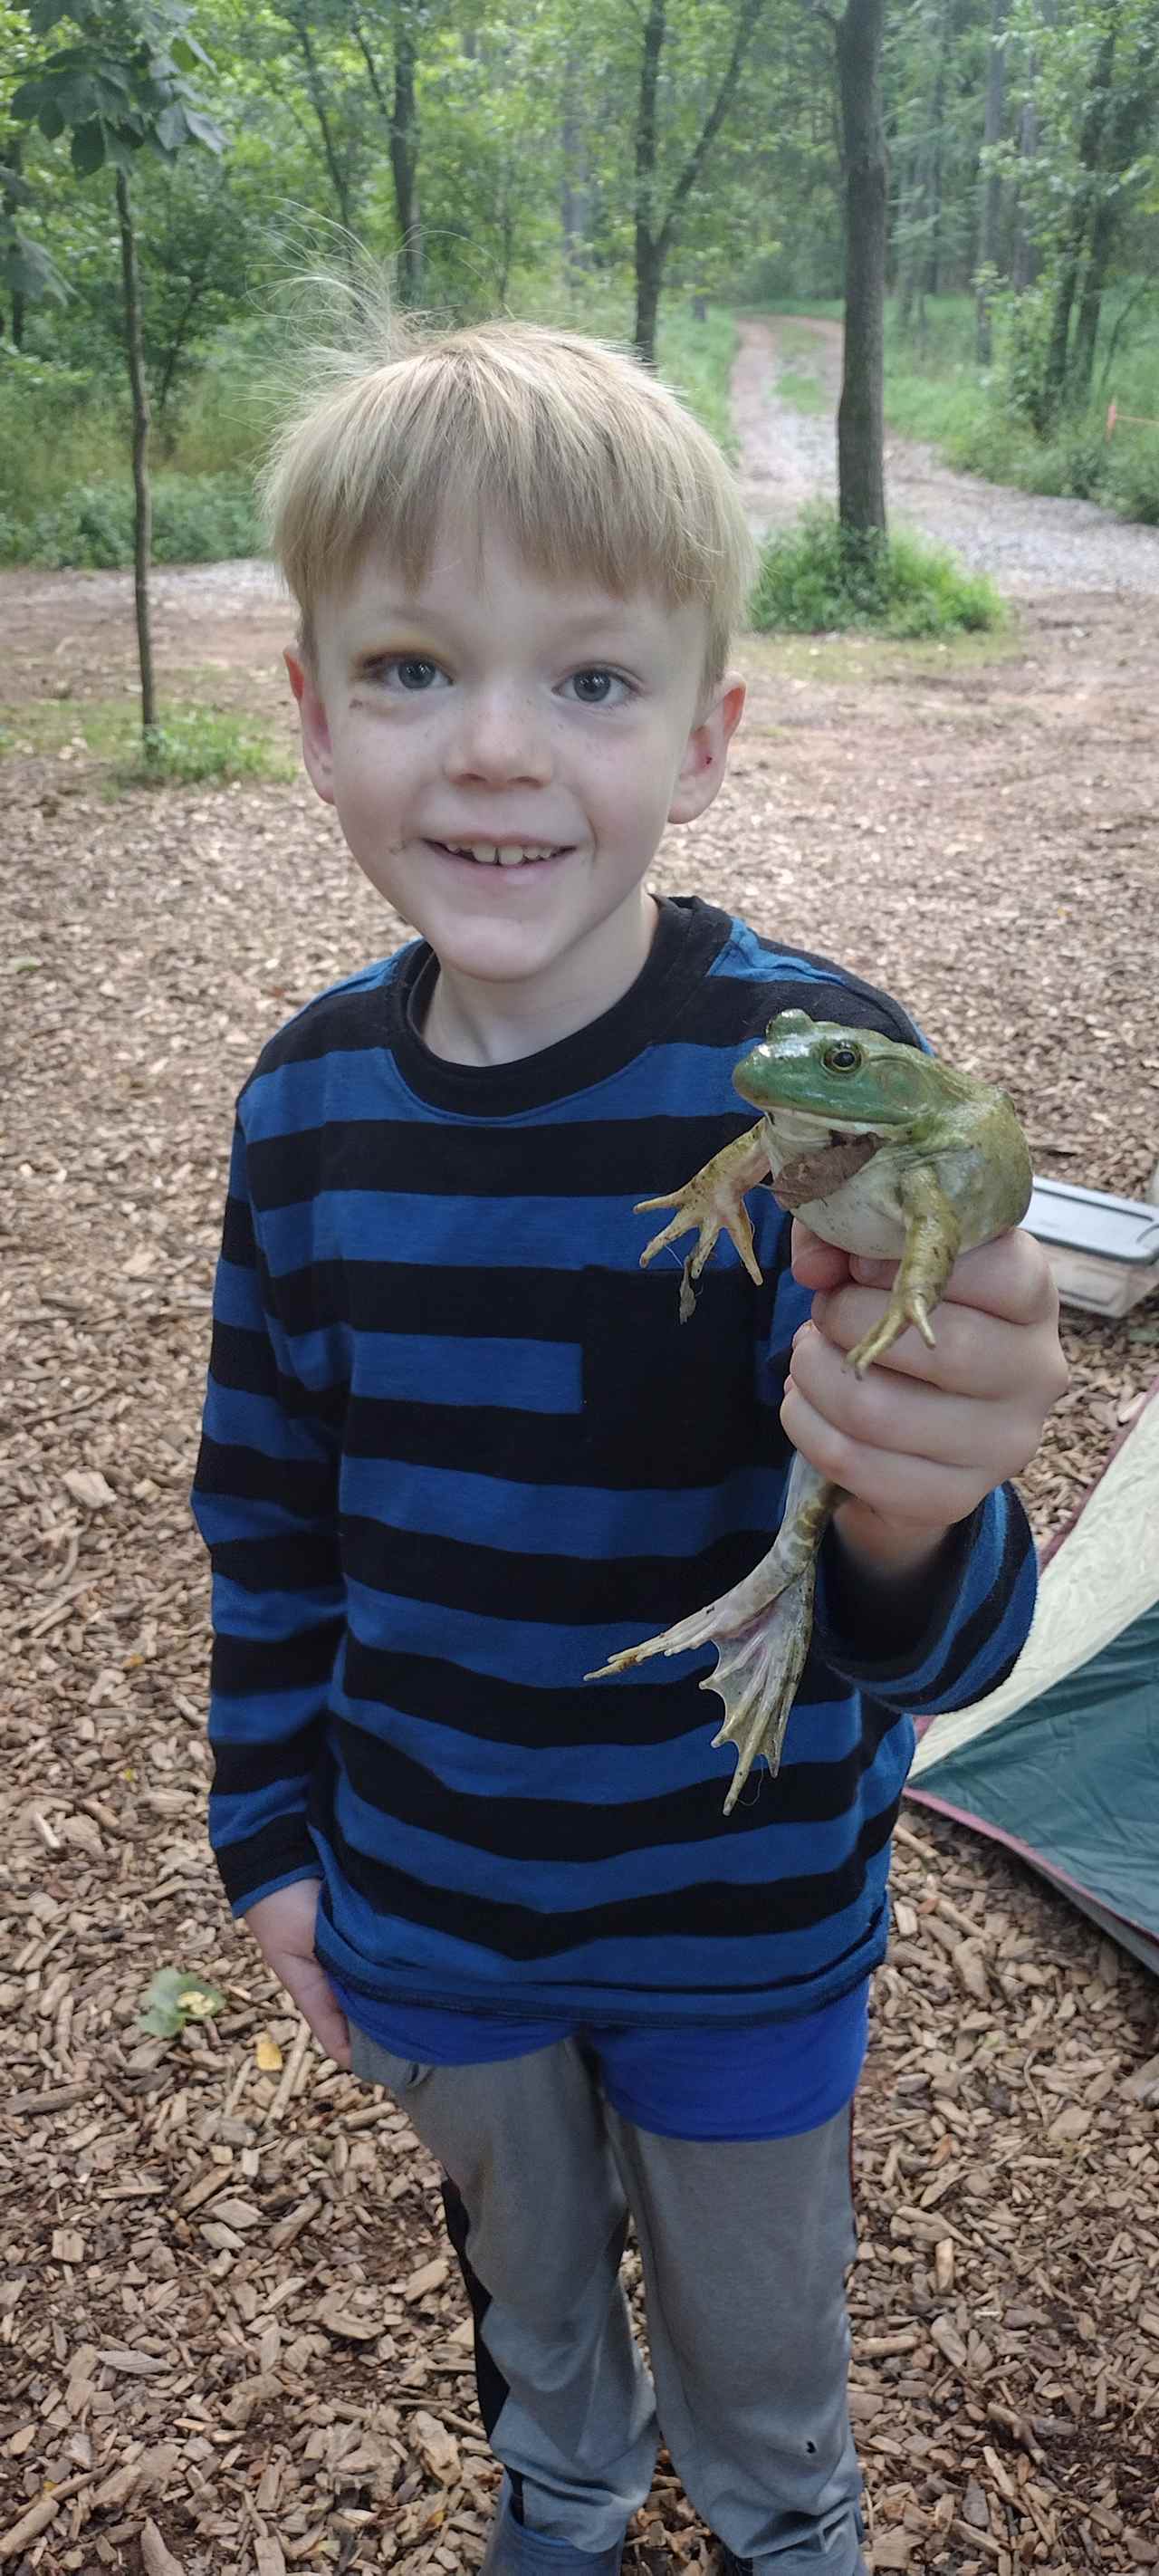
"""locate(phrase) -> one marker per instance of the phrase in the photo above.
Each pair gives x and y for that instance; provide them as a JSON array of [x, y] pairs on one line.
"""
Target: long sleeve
[[942, 1639], [264, 1499]]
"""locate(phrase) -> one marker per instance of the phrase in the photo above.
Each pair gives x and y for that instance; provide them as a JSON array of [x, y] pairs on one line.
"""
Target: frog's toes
[[874, 1345], [757, 1675]]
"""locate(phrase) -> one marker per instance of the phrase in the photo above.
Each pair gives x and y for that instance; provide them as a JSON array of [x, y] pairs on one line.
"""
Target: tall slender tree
[[860, 414], [121, 87], [656, 227]]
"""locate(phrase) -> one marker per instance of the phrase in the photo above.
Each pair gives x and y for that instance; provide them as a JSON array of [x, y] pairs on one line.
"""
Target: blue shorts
[[761, 2080]]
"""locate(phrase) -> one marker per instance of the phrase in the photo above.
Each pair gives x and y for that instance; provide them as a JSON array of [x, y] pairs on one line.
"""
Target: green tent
[[1061, 1764]]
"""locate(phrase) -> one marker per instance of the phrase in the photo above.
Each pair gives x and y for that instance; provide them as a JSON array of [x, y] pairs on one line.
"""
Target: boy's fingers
[[960, 1361], [915, 1414], [901, 1484]]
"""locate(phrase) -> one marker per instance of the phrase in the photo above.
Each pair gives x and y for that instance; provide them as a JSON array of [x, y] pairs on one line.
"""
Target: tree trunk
[[574, 212], [14, 150], [990, 186], [1103, 231], [649, 260], [1024, 254], [404, 151], [1056, 386], [1130, 120], [860, 428], [143, 512], [932, 276], [653, 244], [907, 271], [649, 277], [301, 26]]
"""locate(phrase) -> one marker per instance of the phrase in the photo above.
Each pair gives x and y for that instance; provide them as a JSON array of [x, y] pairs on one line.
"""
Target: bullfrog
[[884, 1151]]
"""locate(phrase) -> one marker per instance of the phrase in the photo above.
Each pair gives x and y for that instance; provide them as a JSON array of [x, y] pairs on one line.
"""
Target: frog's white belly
[[850, 1218], [864, 1214]]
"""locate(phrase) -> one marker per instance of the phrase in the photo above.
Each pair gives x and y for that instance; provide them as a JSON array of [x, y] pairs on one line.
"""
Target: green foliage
[[1132, 477], [193, 744], [121, 85], [175, 1997], [804, 390], [982, 422], [195, 520], [816, 577], [696, 358]]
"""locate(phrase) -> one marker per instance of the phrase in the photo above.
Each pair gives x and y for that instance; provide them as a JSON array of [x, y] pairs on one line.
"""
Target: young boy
[[458, 1450]]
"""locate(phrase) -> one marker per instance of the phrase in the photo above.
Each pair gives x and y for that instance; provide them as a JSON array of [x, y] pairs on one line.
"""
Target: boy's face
[[496, 711]]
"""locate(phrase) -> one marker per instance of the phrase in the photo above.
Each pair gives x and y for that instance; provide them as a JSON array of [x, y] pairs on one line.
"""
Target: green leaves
[[177, 1996], [123, 86]]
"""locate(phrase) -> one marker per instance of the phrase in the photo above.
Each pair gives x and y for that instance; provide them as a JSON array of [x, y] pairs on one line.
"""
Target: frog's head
[[850, 1080]]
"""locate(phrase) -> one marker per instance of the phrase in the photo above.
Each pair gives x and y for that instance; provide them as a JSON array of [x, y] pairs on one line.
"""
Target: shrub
[[1132, 473], [196, 519], [817, 576], [195, 743]]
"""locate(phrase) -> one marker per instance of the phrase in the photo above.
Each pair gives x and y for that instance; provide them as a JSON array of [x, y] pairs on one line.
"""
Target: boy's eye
[[597, 687], [409, 673]]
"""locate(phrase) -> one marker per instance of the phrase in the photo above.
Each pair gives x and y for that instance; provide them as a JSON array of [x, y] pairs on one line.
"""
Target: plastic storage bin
[[1104, 1251]]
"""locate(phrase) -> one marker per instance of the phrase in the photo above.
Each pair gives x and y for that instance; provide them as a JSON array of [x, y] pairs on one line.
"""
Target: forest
[[169, 170]]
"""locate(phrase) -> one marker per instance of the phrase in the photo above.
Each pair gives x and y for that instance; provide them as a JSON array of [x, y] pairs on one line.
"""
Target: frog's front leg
[[932, 1238], [712, 1199], [760, 1630]]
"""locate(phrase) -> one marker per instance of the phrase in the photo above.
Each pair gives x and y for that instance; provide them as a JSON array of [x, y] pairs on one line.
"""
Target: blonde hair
[[587, 462]]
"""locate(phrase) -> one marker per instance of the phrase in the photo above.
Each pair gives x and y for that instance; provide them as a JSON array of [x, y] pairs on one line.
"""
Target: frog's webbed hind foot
[[760, 1630], [757, 1673], [761, 1633]]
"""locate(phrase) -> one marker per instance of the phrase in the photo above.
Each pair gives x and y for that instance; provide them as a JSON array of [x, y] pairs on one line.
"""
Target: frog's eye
[[841, 1057]]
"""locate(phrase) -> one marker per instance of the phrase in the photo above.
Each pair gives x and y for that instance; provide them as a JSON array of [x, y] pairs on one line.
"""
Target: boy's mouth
[[500, 854]]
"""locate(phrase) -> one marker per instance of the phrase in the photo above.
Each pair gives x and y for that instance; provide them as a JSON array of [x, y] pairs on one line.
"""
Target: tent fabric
[[1061, 1764]]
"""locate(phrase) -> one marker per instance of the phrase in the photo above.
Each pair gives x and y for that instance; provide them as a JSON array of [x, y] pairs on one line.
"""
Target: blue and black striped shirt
[[458, 1450]]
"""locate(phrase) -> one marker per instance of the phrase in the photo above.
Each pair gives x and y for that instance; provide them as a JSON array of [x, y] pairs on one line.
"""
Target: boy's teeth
[[489, 856]]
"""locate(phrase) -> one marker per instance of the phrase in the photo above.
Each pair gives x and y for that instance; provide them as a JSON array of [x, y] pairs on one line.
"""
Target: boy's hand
[[283, 1927], [925, 1434]]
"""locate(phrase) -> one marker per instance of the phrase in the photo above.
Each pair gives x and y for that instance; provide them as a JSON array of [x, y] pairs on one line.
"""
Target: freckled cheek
[[371, 800]]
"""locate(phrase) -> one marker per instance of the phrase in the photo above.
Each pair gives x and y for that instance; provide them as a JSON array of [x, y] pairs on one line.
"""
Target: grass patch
[[814, 578], [196, 519], [190, 744], [796, 385], [869, 657], [195, 743], [696, 359], [819, 308], [797, 339]]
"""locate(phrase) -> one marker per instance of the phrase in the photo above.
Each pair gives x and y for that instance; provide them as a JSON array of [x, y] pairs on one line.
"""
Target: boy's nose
[[500, 737]]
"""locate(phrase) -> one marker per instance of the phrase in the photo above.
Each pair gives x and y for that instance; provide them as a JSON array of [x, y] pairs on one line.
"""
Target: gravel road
[[1027, 541]]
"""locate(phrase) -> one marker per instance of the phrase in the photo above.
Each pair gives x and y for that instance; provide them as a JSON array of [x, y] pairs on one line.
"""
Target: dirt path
[[1029, 542], [216, 2311]]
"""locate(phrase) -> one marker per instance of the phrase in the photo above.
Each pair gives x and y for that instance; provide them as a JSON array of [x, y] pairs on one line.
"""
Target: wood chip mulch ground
[[230, 2335]]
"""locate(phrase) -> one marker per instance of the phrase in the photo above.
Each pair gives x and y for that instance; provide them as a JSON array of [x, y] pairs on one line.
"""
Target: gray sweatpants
[[744, 2248]]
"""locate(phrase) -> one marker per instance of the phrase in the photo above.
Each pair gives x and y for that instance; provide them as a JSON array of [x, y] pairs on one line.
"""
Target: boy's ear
[[706, 752], [317, 748]]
